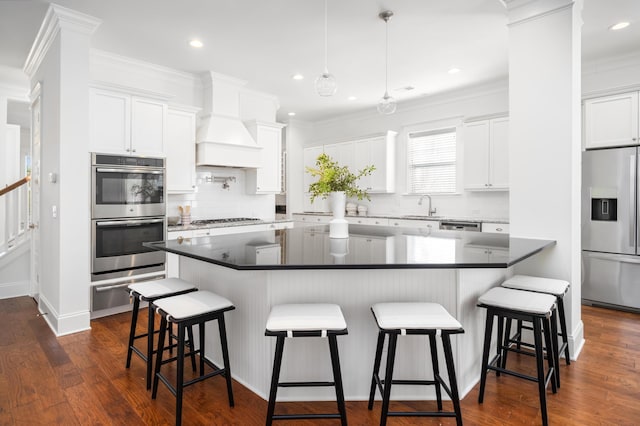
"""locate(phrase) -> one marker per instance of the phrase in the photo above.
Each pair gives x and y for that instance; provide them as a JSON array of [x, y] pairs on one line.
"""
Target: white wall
[[212, 201], [427, 114]]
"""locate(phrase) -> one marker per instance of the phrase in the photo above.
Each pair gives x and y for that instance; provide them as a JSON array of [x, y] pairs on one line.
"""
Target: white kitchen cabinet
[[123, 124], [432, 225], [378, 151], [181, 150], [486, 154], [266, 179], [496, 228], [309, 160], [611, 121], [173, 260], [362, 220], [316, 219], [482, 254], [369, 249], [264, 254], [343, 153]]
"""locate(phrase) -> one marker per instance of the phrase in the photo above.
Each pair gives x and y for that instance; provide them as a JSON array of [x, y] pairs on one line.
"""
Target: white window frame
[[435, 130]]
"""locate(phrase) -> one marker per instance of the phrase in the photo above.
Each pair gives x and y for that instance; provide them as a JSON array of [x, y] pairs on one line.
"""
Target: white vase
[[338, 226]]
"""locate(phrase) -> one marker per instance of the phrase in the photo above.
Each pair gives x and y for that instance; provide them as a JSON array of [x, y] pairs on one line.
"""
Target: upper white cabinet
[[125, 124], [486, 154], [611, 121], [268, 178], [343, 153], [380, 152], [309, 160], [181, 150]]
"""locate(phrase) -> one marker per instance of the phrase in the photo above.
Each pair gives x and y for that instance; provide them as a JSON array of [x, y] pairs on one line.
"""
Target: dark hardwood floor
[[81, 379]]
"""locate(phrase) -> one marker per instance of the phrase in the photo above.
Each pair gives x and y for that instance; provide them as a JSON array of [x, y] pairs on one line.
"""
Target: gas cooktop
[[224, 220]]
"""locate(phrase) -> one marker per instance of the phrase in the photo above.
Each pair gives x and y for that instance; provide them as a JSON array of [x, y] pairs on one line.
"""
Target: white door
[[499, 162], [611, 121], [35, 195], [476, 155]]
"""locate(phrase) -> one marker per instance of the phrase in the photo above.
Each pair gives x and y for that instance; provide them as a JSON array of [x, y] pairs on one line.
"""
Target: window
[[432, 162]]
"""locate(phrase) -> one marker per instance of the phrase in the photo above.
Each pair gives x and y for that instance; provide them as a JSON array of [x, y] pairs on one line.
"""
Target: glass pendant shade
[[326, 84], [387, 104]]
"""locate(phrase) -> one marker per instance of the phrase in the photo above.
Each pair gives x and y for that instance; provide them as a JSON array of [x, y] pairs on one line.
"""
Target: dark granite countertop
[[367, 247]]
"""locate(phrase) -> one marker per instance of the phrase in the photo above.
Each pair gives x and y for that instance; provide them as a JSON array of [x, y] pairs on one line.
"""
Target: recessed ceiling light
[[196, 43], [454, 70], [351, 98], [619, 26], [291, 114], [297, 77]]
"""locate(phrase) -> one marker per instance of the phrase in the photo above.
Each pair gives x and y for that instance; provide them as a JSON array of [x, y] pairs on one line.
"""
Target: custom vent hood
[[222, 139]]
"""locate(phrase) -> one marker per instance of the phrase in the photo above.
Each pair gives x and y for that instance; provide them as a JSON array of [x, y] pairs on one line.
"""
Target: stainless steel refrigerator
[[610, 228]]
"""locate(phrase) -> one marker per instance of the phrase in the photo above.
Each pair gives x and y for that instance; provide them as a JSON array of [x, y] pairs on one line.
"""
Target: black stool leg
[[563, 329], [453, 382], [388, 377], [505, 348], [519, 334], [551, 356], [201, 348], [537, 336], [132, 331], [337, 378], [150, 333], [275, 377], [500, 331], [180, 373], [553, 322], [191, 347], [436, 368], [485, 354], [225, 357], [376, 367], [163, 331]]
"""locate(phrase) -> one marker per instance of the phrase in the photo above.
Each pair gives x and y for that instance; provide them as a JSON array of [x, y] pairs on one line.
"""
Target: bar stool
[[554, 287], [402, 319], [306, 320], [187, 310], [536, 308], [150, 291]]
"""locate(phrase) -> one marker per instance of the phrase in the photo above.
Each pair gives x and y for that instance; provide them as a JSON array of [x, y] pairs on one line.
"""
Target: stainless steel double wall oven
[[127, 209]]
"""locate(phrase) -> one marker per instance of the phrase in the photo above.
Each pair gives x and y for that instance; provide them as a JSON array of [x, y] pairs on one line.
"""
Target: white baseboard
[[62, 325], [14, 289]]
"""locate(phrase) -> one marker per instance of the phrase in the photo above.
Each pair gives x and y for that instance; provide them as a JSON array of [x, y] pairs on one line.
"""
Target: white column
[[544, 152], [59, 62]]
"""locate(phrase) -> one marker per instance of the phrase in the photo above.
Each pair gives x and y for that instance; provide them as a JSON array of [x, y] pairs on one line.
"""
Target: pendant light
[[387, 104], [326, 82]]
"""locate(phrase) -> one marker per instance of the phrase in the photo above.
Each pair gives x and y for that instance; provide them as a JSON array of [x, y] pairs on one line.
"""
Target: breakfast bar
[[258, 270]]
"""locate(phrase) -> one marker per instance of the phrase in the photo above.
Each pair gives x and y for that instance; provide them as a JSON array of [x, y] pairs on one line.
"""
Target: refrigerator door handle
[[614, 257]]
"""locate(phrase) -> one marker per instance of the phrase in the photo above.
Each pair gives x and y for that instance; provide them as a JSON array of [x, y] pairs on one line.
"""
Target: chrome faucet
[[429, 211]]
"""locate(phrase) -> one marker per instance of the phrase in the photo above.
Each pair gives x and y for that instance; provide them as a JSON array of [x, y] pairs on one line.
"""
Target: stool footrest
[[421, 413], [412, 382], [492, 366], [304, 384], [305, 416]]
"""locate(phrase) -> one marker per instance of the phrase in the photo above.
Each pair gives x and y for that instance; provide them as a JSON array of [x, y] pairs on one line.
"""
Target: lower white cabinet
[[264, 254], [363, 220], [307, 218], [432, 225], [496, 228]]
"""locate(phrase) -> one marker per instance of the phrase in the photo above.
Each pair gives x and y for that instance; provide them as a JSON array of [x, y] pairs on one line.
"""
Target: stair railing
[[15, 198]]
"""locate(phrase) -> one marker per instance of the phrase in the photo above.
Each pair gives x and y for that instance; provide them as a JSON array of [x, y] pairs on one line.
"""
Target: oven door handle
[[111, 287], [129, 222], [143, 171]]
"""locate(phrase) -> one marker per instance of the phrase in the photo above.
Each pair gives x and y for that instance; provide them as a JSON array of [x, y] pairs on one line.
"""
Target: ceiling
[[266, 42]]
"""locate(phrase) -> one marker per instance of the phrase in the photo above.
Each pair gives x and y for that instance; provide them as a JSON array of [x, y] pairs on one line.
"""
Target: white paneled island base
[[254, 292]]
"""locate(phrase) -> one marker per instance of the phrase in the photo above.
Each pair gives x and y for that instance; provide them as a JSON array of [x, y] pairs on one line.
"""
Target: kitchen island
[[375, 264]]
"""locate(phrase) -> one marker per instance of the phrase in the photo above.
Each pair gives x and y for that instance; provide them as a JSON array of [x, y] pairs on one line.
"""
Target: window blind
[[432, 162]]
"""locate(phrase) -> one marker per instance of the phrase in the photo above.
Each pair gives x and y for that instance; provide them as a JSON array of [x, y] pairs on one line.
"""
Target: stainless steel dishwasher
[[455, 225]]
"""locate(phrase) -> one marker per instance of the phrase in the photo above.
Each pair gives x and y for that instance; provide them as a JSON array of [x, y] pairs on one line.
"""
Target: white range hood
[[222, 138]]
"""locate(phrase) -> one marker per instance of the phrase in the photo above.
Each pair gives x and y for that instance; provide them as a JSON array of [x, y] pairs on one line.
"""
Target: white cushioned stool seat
[[192, 304], [414, 315], [538, 284], [157, 288], [306, 317], [518, 300]]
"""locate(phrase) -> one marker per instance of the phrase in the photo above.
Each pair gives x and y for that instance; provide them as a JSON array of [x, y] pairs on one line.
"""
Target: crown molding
[[57, 18], [522, 11], [133, 91]]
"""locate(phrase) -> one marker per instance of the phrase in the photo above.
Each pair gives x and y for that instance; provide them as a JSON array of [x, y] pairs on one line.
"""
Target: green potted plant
[[335, 178]]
